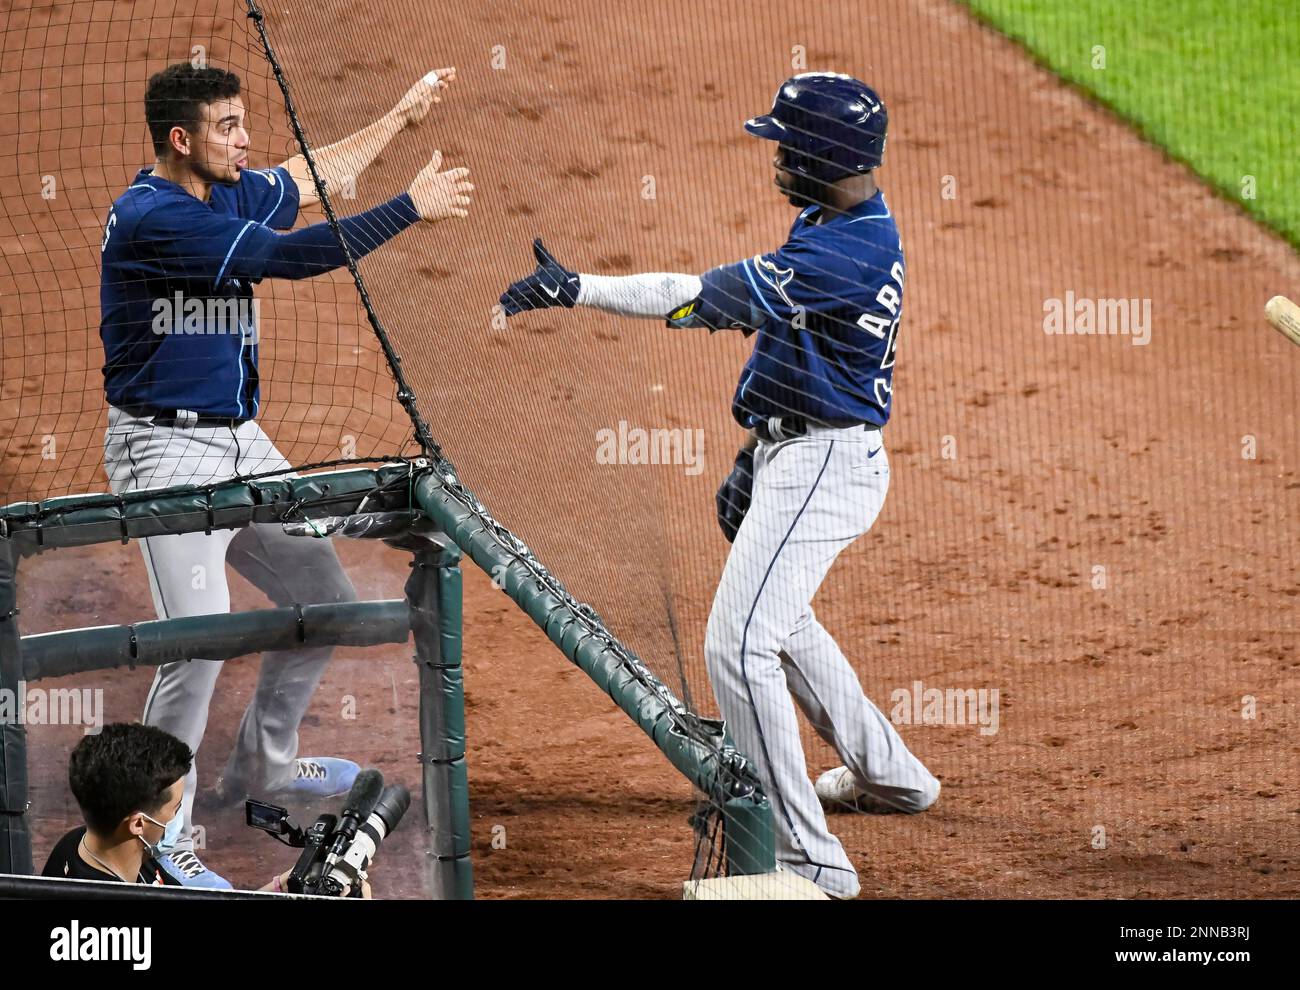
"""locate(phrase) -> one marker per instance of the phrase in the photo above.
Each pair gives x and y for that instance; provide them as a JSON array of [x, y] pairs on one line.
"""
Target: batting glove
[[550, 285], [735, 494]]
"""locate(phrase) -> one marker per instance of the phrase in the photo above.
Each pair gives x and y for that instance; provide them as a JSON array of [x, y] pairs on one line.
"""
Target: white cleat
[[838, 790]]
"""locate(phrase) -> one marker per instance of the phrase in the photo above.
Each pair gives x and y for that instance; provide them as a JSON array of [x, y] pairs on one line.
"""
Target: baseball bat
[[1285, 315]]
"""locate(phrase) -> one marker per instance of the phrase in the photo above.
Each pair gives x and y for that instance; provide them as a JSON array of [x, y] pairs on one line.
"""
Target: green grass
[[1216, 83]]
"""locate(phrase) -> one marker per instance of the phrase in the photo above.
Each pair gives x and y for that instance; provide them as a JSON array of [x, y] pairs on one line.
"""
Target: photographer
[[128, 781]]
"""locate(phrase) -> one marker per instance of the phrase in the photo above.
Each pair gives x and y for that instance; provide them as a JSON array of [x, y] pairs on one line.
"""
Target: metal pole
[[434, 594], [219, 637], [751, 842], [695, 746], [15, 838]]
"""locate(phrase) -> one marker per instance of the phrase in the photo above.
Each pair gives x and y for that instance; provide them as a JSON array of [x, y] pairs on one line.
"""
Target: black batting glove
[[735, 494], [550, 285]]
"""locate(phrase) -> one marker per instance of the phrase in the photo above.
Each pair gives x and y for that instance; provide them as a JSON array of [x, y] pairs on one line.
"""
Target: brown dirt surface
[[1103, 532]]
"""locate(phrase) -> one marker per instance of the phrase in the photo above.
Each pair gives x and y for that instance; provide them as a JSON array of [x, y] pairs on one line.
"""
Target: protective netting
[[74, 77], [1077, 604]]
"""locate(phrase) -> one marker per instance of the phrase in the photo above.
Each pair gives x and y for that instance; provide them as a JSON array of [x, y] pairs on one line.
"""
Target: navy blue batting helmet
[[831, 125]]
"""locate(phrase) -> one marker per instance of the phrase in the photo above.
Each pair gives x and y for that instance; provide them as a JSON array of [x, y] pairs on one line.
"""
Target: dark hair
[[127, 767], [176, 97]]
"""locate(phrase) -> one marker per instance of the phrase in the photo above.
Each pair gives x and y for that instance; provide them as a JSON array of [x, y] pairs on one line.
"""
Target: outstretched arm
[[718, 299], [340, 163], [433, 196], [194, 241], [651, 295]]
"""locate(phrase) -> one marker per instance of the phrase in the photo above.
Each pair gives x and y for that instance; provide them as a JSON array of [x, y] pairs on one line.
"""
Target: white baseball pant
[[812, 497], [187, 575]]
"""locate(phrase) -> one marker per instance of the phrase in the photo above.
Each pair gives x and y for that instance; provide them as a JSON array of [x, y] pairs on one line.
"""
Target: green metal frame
[[697, 747], [15, 837], [434, 593], [78, 521], [220, 637]]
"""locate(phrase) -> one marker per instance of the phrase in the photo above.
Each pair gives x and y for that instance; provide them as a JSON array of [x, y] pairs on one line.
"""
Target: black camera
[[337, 850]]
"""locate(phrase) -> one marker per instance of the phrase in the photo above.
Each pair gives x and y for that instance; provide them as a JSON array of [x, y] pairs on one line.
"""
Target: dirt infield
[[1103, 531]]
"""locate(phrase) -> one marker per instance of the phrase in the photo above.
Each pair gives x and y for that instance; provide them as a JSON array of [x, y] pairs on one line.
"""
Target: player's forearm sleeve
[[652, 295], [725, 302], [314, 250]]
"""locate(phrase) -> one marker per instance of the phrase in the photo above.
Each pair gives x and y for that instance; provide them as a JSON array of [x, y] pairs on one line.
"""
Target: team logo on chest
[[775, 276]]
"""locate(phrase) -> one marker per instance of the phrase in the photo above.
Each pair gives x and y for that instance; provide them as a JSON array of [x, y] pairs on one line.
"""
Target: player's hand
[[278, 885], [550, 285], [736, 493], [366, 893], [440, 195], [415, 105]]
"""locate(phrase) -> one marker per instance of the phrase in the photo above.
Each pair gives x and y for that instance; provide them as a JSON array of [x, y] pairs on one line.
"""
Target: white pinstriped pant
[[812, 497], [187, 575]]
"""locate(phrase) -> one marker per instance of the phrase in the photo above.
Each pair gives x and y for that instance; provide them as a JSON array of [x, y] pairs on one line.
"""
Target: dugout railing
[[417, 507]]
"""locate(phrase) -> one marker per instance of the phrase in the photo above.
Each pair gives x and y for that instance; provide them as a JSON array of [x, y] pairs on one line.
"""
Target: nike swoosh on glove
[[550, 285]]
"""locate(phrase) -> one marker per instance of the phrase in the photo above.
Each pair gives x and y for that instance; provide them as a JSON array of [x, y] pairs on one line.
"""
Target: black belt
[[172, 417], [778, 428]]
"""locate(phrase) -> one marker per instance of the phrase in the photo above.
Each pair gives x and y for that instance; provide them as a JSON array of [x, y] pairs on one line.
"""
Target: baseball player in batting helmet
[[824, 311], [183, 247]]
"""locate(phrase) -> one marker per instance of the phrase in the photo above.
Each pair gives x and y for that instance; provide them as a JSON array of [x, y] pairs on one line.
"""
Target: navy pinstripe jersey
[[824, 310]]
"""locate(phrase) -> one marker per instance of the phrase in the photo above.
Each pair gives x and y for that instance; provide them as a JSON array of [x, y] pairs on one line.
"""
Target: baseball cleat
[[183, 866], [839, 791], [321, 777]]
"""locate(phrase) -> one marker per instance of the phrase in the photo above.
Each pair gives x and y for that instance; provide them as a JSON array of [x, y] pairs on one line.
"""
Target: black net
[[74, 78], [1057, 610], [1019, 459]]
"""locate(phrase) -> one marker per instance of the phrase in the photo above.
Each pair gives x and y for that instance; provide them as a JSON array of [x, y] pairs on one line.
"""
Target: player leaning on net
[[183, 248], [824, 310]]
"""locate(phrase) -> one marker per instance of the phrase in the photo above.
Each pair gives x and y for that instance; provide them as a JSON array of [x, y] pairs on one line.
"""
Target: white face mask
[[171, 833]]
